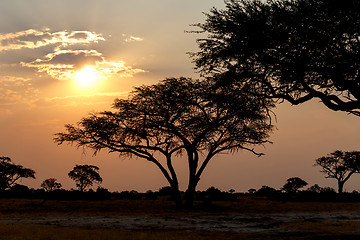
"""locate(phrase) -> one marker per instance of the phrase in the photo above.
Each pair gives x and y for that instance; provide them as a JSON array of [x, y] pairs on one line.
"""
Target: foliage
[[340, 165], [214, 194], [85, 176], [177, 117], [267, 191], [50, 184], [165, 191], [251, 190], [292, 185], [315, 189], [10, 173], [293, 50]]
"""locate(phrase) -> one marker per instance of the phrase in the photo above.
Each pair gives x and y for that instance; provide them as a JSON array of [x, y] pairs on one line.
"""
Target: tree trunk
[[190, 192], [189, 197], [176, 195], [341, 186]]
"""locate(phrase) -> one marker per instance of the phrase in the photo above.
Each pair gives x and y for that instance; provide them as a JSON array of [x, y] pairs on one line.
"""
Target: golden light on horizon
[[87, 77]]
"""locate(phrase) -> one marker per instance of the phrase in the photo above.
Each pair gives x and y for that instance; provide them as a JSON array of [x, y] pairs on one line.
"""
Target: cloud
[[32, 38], [42, 123], [64, 64], [129, 38], [91, 99], [15, 90], [19, 91], [71, 52]]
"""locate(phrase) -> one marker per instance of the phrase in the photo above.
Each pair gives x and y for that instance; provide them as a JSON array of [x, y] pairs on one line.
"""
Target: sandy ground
[[251, 223]]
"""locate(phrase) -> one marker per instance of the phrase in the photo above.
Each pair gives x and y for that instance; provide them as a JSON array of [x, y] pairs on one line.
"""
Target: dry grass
[[12, 208], [37, 208], [343, 227], [256, 205], [303, 231], [36, 232]]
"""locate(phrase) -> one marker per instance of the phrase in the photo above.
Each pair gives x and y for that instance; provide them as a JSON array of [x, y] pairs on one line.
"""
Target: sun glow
[[87, 76]]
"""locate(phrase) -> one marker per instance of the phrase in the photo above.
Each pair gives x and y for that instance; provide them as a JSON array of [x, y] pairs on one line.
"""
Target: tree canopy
[[85, 176], [50, 184], [11, 172], [177, 117], [293, 184], [293, 50], [340, 165]]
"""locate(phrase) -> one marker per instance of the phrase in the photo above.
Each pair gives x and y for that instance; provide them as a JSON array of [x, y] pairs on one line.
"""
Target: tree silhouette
[[50, 184], [10, 173], [292, 185], [177, 117], [85, 176], [293, 50], [340, 165]]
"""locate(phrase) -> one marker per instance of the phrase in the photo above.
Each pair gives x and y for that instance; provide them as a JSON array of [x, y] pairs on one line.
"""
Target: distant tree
[[85, 176], [293, 50], [177, 117], [251, 190], [50, 184], [214, 194], [11, 172], [328, 190], [340, 165], [315, 189], [19, 189], [266, 191], [164, 191], [292, 185]]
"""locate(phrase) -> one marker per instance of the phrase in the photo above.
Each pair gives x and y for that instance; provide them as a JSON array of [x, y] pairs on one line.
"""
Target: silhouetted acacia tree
[[85, 176], [11, 172], [292, 185], [177, 117], [340, 165], [293, 50], [50, 184]]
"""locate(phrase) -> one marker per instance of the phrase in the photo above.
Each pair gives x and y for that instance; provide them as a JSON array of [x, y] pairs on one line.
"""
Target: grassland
[[329, 229]]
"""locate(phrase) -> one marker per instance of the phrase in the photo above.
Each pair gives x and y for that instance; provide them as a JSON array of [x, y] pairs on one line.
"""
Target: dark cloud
[[77, 59], [79, 35], [43, 38]]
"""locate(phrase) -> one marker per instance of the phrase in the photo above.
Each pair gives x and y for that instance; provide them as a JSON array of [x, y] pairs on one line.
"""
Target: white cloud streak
[[32, 38], [129, 38]]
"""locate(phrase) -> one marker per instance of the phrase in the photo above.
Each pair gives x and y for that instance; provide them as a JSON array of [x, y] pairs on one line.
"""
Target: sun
[[87, 76]]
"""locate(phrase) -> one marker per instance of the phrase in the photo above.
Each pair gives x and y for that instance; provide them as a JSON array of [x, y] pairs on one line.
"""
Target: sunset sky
[[60, 60]]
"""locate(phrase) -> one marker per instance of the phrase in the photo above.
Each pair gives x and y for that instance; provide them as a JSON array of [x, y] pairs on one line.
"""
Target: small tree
[[267, 191], [177, 117], [340, 165], [10, 173], [85, 176], [292, 185], [252, 191], [315, 189], [50, 184]]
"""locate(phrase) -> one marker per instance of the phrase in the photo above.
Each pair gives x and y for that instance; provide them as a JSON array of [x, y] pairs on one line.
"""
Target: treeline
[[314, 193], [338, 165]]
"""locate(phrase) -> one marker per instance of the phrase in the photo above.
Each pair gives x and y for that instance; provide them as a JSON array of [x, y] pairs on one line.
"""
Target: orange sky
[[44, 45]]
